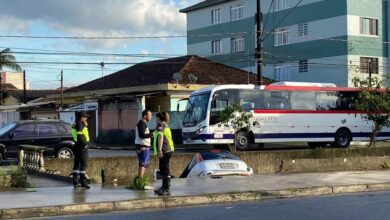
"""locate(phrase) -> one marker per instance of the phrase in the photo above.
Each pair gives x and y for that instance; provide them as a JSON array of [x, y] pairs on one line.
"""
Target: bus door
[[246, 98], [220, 101]]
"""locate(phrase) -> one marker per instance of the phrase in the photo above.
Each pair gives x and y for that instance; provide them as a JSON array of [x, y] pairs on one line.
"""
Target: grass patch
[[386, 165], [139, 184]]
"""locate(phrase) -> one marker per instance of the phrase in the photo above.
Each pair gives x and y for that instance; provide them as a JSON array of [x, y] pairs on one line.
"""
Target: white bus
[[316, 113]]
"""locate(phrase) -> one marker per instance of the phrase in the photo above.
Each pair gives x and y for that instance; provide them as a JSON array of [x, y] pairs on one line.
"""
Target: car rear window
[[220, 155], [64, 128]]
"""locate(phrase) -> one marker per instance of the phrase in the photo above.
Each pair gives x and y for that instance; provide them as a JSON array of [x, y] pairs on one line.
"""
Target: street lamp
[[102, 65]]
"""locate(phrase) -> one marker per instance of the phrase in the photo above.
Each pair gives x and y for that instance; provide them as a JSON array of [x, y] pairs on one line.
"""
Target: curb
[[165, 202], [111, 148]]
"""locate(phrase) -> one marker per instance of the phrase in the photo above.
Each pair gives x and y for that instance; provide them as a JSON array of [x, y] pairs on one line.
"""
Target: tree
[[7, 60], [374, 103], [235, 116]]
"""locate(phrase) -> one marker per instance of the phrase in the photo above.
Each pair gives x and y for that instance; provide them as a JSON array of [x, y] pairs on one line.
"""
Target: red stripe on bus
[[311, 88], [306, 112]]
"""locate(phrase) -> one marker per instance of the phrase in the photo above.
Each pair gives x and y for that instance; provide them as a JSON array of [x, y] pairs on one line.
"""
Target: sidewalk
[[65, 200]]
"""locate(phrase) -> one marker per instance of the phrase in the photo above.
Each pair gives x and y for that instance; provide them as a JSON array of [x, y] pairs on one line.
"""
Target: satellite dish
[[177, 77], [192, 78]]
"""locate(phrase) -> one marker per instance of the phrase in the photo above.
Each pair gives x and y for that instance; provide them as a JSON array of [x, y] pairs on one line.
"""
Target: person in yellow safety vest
[[163, 147], [81, 138]]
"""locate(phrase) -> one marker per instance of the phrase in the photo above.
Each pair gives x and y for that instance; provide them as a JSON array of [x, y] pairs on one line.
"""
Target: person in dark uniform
[[81, 138], [163, 147]]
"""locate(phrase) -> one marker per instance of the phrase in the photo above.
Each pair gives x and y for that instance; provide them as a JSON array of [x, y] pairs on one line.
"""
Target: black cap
[[81, 114]]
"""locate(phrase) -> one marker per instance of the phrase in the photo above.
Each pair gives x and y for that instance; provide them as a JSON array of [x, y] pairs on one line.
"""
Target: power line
[[266, 19], [284, 18], [117, 37]]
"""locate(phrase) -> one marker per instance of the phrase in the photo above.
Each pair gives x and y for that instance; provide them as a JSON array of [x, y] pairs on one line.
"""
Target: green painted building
[[329, 41]]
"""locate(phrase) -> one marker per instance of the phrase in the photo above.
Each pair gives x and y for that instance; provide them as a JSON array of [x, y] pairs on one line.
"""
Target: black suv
[[53, 134]]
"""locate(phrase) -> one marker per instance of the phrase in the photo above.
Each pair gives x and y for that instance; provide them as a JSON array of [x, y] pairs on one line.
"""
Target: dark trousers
[[80, 163], [164, 164]]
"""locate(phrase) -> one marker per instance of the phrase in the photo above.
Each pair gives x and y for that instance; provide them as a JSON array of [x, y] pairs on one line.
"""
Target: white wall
[[354, 27], [326, 28], [204, 48], [202, 18], [326, 70]]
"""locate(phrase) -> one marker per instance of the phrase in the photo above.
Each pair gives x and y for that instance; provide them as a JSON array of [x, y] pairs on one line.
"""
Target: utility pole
[[24, 87], [62, 89], [259, 43]]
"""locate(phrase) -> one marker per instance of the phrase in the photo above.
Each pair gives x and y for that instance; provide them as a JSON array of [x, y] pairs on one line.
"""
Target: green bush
[[139, 184]]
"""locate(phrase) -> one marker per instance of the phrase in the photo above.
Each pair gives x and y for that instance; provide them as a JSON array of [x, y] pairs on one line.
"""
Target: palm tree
[[7, 60]]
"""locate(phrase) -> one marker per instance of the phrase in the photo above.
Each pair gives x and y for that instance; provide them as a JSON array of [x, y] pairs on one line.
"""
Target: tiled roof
[[202, 4], [32, 94], [156, 72], [8, 86]]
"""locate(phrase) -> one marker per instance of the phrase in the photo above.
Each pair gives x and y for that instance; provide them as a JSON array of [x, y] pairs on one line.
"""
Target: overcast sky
[[89, 18]]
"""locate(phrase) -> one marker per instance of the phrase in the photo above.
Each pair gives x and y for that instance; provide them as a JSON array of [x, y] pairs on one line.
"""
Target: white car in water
[[216, 163]]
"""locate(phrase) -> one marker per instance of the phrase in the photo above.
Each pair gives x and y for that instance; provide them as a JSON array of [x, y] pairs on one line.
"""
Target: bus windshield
[[196, 109]]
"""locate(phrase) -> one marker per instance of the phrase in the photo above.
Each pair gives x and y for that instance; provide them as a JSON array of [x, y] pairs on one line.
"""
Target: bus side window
[[326, 100], [346, 100]]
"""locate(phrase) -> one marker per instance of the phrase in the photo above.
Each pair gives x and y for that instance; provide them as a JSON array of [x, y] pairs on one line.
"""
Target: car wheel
[[243, 141], [342, 138], [1, 156], [65, 153]]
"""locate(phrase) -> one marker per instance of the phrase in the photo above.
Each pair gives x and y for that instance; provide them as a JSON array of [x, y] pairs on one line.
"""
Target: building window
[[281, 5], [368, 64], [216, 47], [303, 29], [369, 26], [216, 16], [303, 66], [281, 36], [237, 45], [236, 12], [282, 73]]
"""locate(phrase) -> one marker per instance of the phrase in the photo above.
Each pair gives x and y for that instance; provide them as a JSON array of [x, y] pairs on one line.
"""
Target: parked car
[[53, 134], [216, 163]]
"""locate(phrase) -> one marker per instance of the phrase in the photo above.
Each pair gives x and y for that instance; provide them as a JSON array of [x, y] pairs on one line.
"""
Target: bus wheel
[[243, 141], [343, 138]]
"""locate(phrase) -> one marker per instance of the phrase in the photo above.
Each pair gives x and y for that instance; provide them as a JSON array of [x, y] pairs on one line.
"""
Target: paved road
[[353, 206]]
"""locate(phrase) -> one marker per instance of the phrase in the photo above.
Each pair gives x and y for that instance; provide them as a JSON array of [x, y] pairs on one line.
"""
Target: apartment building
[[329, 41]]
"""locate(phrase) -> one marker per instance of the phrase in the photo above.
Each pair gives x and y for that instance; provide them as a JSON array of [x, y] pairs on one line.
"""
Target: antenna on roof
[[192, 78], [177, 77]]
